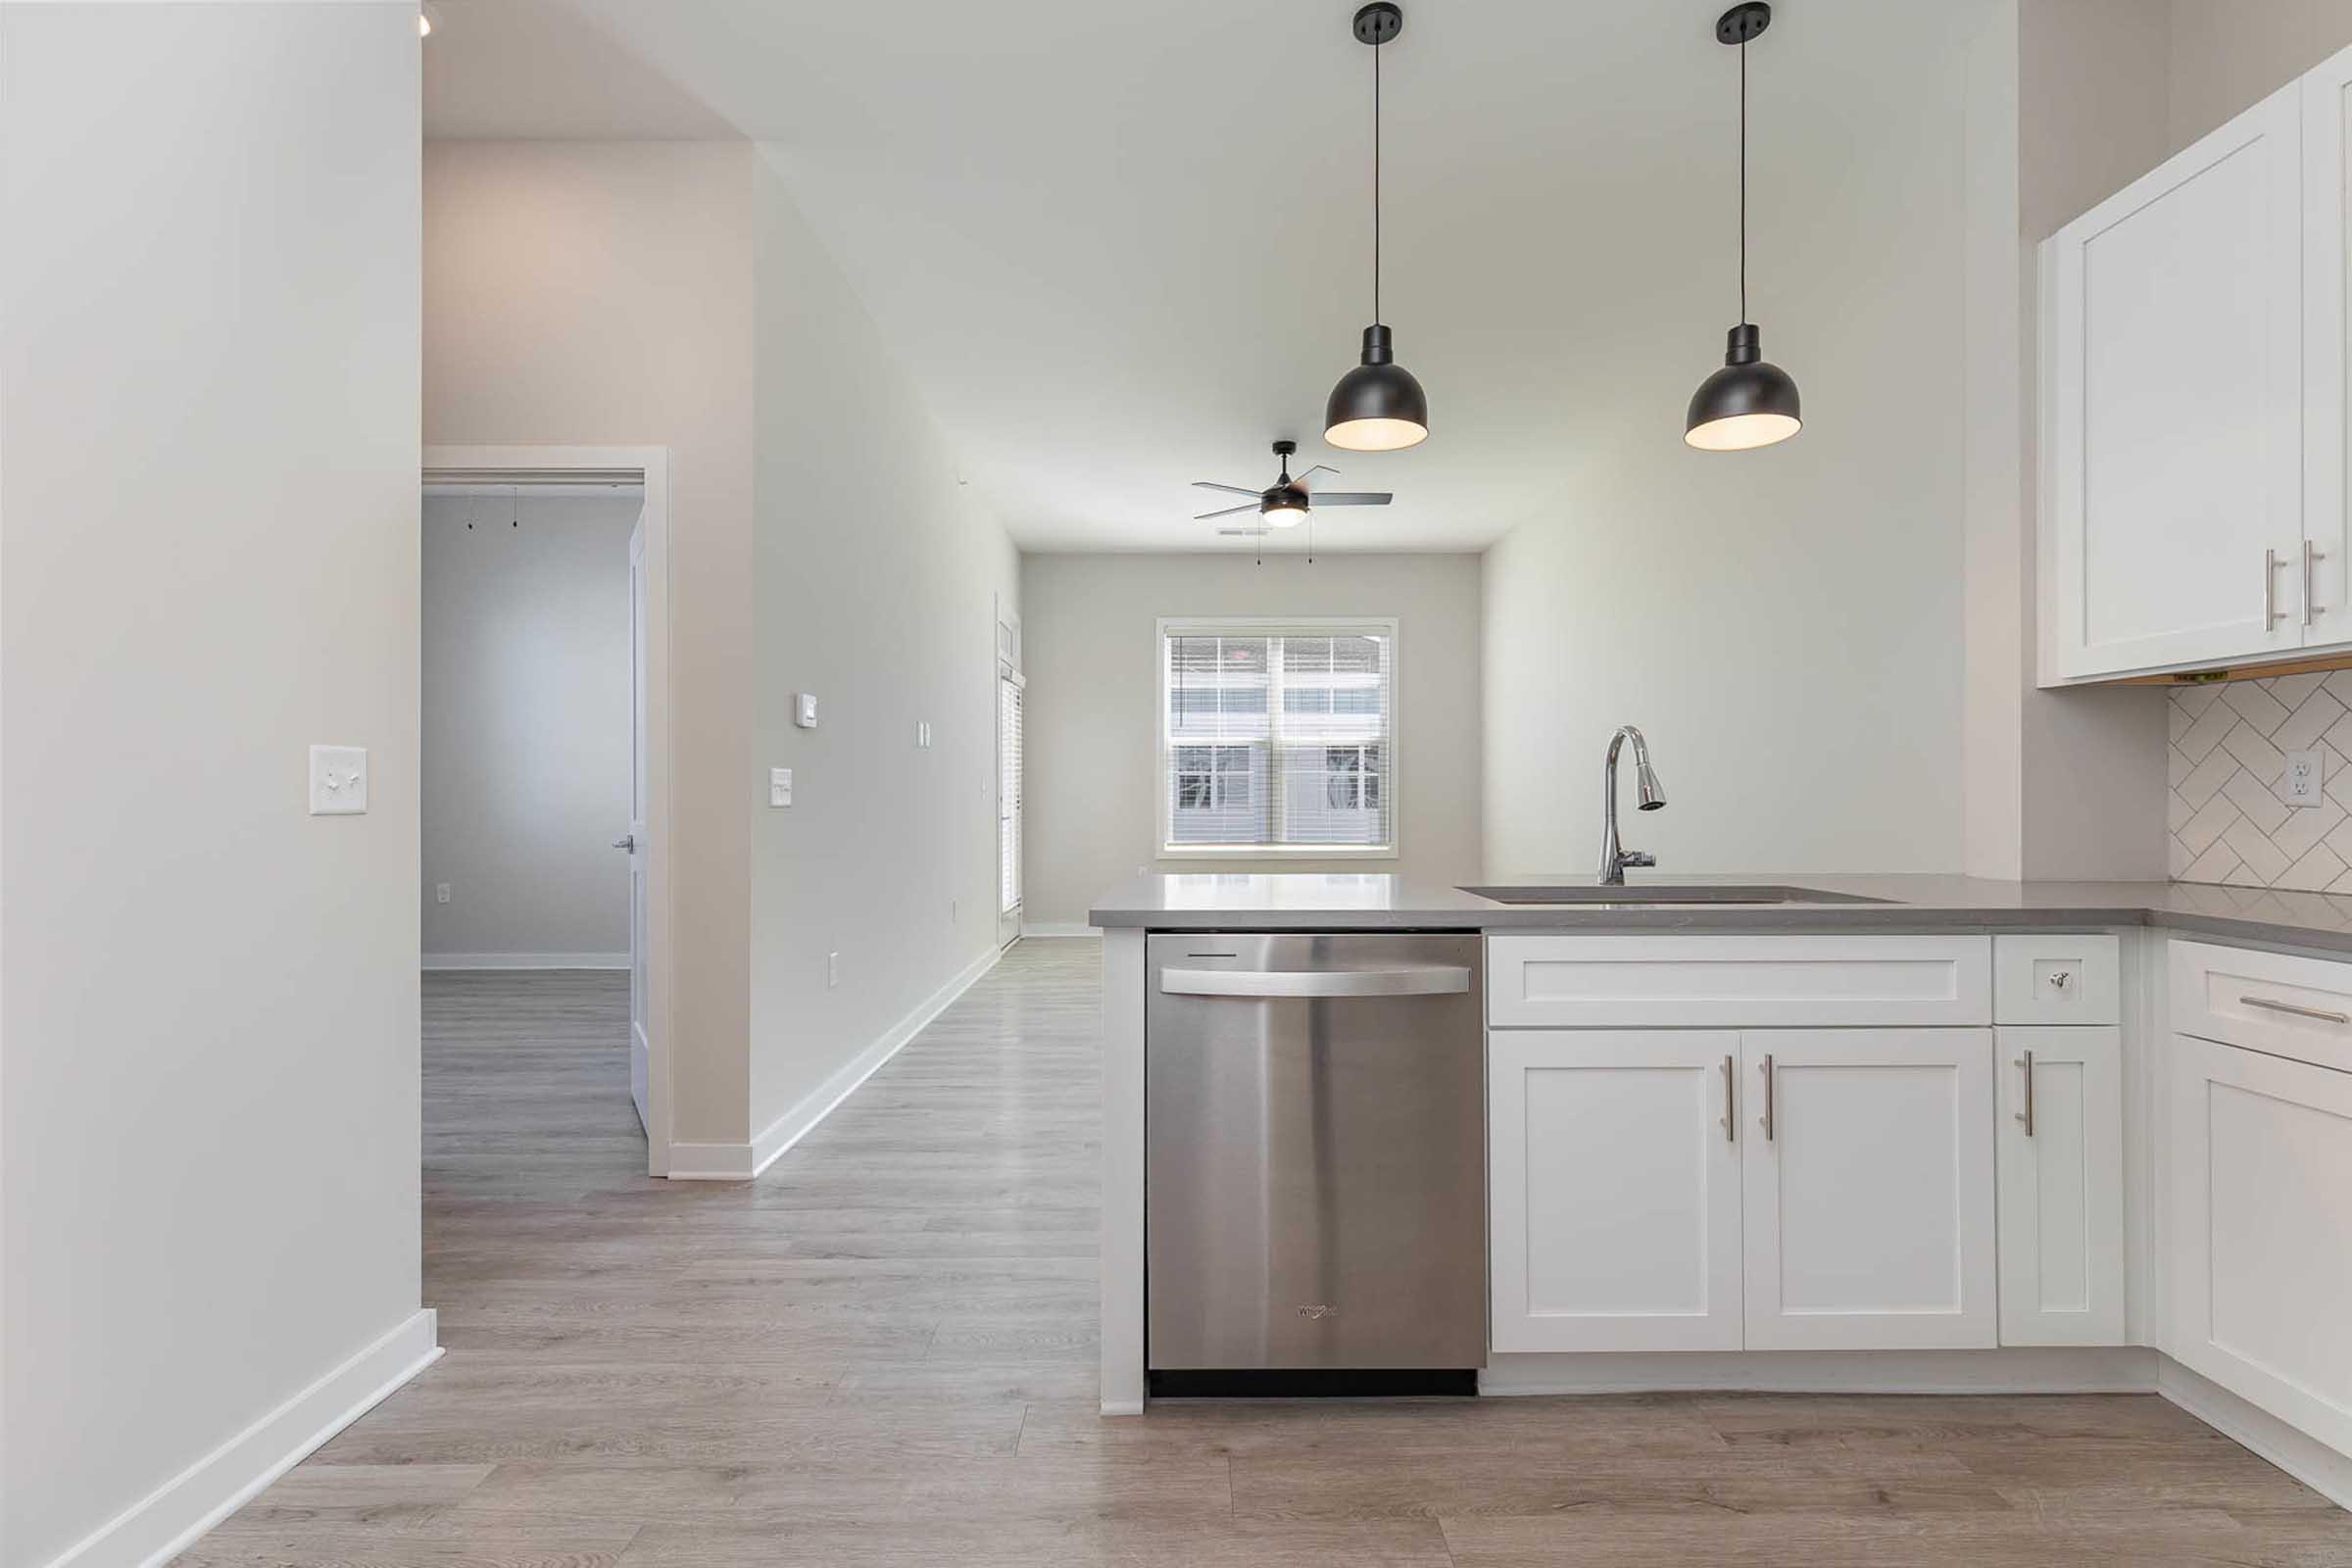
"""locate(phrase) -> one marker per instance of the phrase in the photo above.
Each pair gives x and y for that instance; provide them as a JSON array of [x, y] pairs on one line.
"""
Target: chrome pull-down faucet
[[1614, 855]]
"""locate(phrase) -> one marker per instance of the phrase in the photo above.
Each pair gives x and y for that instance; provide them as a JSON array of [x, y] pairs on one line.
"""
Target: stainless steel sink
[[1653, 893]]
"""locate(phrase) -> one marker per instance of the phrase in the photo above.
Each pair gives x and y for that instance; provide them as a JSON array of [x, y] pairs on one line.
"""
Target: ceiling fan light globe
[[1282, 516]]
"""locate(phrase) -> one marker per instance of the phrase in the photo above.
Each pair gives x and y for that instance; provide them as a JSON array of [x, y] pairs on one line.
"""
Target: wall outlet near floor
[[2301, 785], [832, 971], [440, 893]]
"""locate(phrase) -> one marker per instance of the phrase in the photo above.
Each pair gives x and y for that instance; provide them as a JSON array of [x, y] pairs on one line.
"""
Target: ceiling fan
[[1285, 502]]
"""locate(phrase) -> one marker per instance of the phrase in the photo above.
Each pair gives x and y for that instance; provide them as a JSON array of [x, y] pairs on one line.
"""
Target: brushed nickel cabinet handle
[[2269, 1005], [2270, 590], [2027, 1116], [1765, 1120], [1731, 1134], [2310, 555], [1426, 980]]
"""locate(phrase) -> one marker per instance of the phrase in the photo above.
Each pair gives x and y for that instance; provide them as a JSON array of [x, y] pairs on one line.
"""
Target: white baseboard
[[1058, 928], [162, 1524], [735, 1163], [526, 960], [2113, 1370], [2301, 1455]]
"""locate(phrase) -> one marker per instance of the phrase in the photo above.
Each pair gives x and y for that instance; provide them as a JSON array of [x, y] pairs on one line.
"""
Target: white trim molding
[[2122, 1369], [168, 1520], [2261, 1434], [526, 960], [736, 1162]]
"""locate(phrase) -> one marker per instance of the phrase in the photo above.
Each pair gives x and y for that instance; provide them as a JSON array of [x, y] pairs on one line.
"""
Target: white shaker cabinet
[[2060, 1128], [2327, 105], [2172, 411], [1869, 1189], [2261, 1230], [1615, 1189]]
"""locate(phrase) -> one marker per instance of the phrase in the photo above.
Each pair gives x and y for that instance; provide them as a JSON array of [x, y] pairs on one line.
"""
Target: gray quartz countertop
[[1209, 901]]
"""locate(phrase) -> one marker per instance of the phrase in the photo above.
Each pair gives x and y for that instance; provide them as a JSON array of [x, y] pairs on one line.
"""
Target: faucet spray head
[[1652, 794]]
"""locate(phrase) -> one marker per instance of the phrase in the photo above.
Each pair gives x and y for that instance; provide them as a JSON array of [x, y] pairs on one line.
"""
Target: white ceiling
[[1123, 246]]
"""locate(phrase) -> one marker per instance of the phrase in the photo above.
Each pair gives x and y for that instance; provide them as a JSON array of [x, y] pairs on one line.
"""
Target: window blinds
[[1279, 739]]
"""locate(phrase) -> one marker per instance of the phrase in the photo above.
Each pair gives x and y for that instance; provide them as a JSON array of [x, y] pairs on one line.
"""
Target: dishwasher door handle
[[1420, 980]]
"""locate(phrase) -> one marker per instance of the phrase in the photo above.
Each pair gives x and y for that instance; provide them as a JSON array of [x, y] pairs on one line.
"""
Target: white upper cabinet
[[2172, 382], [2326, 105]]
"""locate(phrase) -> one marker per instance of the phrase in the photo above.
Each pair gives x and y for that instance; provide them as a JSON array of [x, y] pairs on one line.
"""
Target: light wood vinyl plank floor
[[882, 1353]]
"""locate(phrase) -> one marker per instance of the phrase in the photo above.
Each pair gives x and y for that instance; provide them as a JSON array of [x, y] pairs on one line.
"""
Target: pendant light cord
[[1743, 181], [1376, 48]]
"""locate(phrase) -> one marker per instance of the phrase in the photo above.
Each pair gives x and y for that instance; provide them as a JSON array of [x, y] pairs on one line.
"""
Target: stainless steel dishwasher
[[1316, 1168]]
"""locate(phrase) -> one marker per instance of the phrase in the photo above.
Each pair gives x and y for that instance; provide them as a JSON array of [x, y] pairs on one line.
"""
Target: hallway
[[883, 1352]]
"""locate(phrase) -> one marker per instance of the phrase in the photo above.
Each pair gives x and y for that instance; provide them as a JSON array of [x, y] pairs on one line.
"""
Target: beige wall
[[1088, 632], [581, 293], [2228, 55], [876, 580], [208, 562]]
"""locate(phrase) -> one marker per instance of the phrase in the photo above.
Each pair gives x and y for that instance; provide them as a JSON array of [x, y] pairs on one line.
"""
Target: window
[[1277, 737]]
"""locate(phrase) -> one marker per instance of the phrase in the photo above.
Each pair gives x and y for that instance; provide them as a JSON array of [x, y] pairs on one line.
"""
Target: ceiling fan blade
[[1352, 498], [1320, 467], [1229, 489], [1204, 516]]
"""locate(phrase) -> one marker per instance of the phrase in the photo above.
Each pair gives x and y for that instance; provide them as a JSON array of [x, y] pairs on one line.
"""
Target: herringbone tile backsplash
[[2226, 816]]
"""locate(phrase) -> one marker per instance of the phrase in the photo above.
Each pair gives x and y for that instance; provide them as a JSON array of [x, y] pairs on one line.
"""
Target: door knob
[[627, 840]]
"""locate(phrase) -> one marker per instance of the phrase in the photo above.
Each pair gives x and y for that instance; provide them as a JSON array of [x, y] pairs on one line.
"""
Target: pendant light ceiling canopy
[[1748, 403], [1377, 407]]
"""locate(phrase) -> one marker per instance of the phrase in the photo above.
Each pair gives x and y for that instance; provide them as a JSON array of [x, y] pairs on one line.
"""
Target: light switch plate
[[2301, 784], [338, 781], [779, 786], [804, 710]]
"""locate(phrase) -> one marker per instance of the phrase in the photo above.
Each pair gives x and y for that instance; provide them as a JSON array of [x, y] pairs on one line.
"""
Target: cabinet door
[[2172, 381], [1868, 1205], [2061, 1127], [2260, 1231], [1616, 1190], [2327, 92]]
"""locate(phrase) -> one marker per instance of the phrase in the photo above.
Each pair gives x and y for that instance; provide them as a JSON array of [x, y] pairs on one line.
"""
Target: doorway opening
[[1011, 704], [545, 832]]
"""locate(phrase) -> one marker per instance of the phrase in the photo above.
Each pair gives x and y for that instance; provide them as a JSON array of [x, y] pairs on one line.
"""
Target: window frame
[[1383, 627]]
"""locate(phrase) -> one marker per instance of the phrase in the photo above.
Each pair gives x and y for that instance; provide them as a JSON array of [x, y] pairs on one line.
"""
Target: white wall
[[1093, 704], [1786, 624], [876, 580], [586, 293], [208, 560], [527, 725]]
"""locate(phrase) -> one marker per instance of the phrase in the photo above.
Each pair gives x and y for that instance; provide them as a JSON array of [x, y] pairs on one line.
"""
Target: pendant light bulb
[[1750, 402], [1377, 407]]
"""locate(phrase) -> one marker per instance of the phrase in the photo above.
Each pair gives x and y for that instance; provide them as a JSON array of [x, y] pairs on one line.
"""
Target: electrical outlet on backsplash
[[2227, 815]]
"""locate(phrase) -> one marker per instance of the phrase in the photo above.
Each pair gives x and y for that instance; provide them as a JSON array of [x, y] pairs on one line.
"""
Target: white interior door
[[1616, 1190], [635, 843], [1868, 1199], [1011, 698]]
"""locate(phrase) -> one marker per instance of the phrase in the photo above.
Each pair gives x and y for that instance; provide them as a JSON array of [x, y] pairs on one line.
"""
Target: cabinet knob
[[2059, 978]]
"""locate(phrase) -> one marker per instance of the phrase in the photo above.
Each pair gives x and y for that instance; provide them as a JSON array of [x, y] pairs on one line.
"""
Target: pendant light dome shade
[[1748, 403], [1377, 407]]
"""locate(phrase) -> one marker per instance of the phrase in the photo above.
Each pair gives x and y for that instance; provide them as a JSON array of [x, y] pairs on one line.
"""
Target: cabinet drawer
[[2274, 1003], [1756, 982], [2055, 979]]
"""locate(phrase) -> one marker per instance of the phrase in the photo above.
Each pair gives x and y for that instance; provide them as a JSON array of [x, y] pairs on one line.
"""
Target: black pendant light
[[1748, 403], [1377, 407]]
